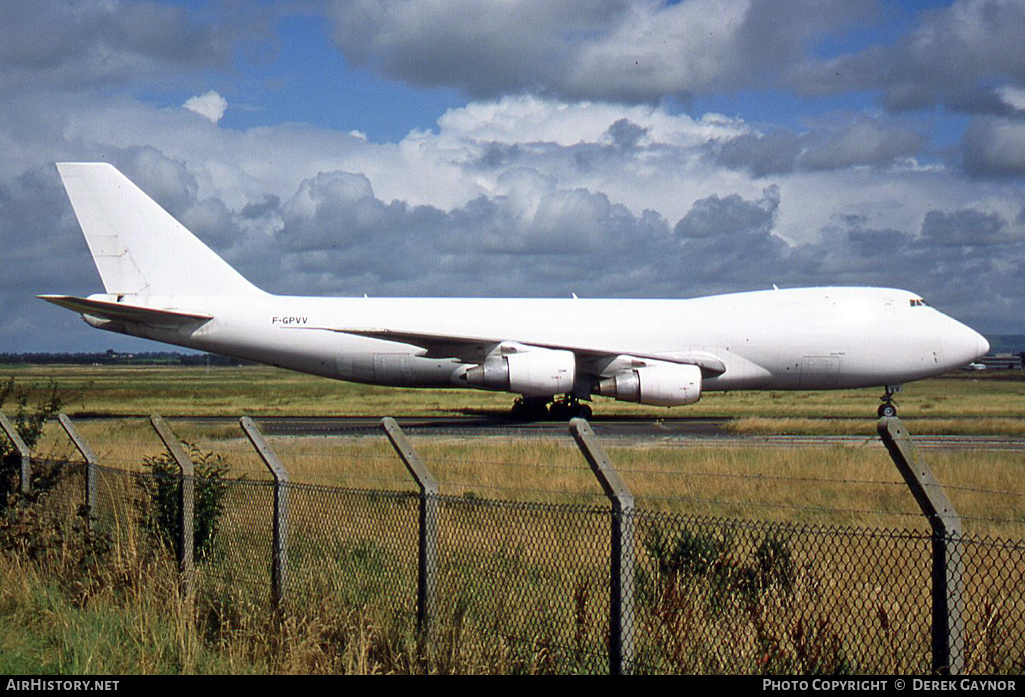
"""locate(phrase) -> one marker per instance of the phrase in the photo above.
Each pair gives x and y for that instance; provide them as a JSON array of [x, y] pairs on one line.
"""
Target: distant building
[[1003, 361]]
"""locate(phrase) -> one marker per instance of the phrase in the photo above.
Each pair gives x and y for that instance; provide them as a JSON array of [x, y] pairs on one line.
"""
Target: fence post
[[26, 457], [186, 502], [427, 564], [90, 462], [623, 558], [279, 555], [947, 562]]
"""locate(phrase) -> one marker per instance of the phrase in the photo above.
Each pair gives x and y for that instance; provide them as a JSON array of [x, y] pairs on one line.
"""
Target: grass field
[[63, 615], [854, 484], [523, 533], [840, 485], [961, 403]]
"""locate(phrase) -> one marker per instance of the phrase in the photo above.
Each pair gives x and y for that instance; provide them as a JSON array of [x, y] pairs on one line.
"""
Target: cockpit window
[[917, 302]]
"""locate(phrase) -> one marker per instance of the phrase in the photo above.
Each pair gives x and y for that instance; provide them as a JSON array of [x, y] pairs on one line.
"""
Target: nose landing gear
[[888, 407]]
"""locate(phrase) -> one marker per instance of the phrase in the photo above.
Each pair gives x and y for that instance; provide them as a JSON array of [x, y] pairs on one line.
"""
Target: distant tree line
[[111, 357]]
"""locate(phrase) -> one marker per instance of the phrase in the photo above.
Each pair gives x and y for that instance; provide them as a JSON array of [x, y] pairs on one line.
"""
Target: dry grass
[[523, 538], [958, 403], [981, 426], [522, 584], [853, 483]]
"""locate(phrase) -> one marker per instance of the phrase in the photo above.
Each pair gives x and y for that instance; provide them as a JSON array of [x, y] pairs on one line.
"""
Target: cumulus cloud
[[568, 172], [731, 239], [836, 143], [857, 142], [521, 196], [995, 146], [637, 51], [76, 44], [532, 119], [761, 154], [968, 227], [951, 57], [729, 217], [209, 105], [1013, 97]]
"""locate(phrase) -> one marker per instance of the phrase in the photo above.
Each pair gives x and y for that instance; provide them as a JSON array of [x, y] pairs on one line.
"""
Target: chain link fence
[[553, 587]]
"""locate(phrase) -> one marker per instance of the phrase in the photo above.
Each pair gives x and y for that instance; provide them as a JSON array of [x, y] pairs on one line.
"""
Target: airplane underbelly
[[394, 369]]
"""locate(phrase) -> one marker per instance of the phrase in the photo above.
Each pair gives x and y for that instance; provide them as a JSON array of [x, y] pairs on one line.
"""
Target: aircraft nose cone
[[983, 347], [966, 345]]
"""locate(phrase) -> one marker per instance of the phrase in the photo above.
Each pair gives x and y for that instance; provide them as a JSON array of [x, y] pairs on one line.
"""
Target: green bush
[[29, 422], [775, 565], [686, 555], [159, 514], [710, 558]]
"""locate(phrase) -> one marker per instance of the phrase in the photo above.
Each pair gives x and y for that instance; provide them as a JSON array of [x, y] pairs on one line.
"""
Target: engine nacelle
[[662, 385], [530, 371]]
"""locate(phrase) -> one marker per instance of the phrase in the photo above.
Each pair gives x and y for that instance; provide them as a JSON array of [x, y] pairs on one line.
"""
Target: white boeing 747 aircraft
[[163, 283]]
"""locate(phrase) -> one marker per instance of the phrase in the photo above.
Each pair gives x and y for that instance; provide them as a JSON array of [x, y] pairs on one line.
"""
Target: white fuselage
[[163, 283], [811, 338]]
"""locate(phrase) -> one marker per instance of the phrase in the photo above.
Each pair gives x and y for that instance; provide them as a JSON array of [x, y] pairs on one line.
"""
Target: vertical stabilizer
[[138, 247]]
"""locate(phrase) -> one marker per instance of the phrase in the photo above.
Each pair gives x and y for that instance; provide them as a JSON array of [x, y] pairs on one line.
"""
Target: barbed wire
[[771, 477], [443, 462], [981, 519], [781, 506]]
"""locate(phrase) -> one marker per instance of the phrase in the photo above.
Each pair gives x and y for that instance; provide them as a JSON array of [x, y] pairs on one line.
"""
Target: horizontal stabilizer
[[121, 312]]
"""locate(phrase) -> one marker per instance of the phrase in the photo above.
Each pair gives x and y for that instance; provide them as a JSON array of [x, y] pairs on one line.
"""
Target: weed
[[29, 422], [160, 514]]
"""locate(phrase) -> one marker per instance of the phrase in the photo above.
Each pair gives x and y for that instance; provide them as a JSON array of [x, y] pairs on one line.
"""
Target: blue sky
[[309, 81], [291, 85], [527, 147]]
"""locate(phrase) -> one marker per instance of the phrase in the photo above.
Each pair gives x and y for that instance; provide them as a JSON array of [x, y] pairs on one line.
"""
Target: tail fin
[[137, 246]]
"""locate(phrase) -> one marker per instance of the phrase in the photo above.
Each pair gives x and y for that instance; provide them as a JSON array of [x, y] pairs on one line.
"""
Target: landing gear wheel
[[519, 411], [560, 411], [888, 409], [529, 409], [538, 409], [568, 408]]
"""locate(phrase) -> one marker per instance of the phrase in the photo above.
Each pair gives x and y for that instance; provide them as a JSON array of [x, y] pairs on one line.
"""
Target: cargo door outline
[[819, 371]]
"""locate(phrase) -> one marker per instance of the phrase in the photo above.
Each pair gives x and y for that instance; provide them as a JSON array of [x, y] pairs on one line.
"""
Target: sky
[[537, 148]]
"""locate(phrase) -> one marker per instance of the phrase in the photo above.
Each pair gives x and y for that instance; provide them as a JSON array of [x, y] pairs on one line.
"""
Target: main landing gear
[[888, 408], [547, 409]]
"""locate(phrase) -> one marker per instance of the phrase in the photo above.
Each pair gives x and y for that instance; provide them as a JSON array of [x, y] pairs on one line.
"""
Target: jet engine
[[526, 370], [662, 385]]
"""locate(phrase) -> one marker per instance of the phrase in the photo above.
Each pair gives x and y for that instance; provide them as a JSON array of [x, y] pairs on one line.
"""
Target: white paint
[[809, 338]]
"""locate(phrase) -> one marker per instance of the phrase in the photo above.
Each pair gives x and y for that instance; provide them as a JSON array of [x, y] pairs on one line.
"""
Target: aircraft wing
[[465, 347], [122, 312]]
